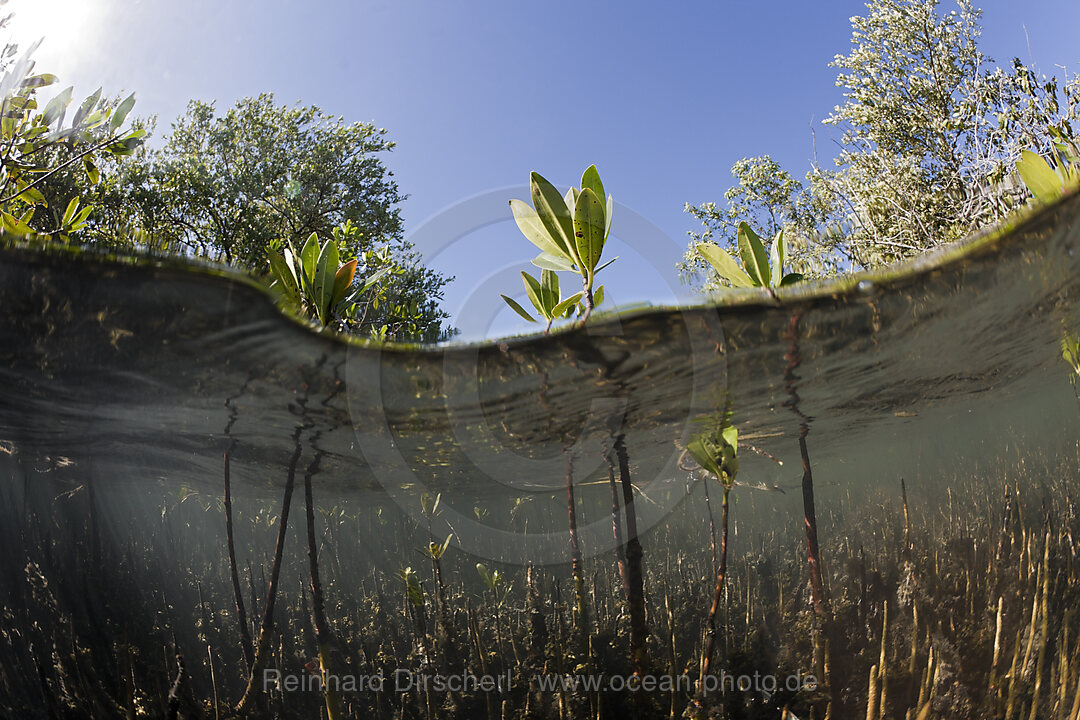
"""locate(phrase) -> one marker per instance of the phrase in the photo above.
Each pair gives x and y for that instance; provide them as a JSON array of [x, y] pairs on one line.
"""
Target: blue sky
[[662, 97]]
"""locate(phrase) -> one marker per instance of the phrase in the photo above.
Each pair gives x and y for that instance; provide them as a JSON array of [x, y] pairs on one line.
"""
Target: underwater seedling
[[315, 281], [494, 581], [414, 589], [545, 298], [417, 597], [435, 551], [577, 568], [429, 506], [822, 611], [238, 598], [570, 232], [492, 578], [262, 646], [632, 555], [755, 270], [323, 634], [716, 451]]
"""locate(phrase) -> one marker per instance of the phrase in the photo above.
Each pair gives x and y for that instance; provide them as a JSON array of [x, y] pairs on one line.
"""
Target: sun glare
[[67, 28]]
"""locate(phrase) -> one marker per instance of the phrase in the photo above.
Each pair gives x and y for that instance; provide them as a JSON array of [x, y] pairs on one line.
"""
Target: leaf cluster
[[930, 131], [315, 280], [37, 144], [570, 231], [414, 588], [716, 447], [760, 268]]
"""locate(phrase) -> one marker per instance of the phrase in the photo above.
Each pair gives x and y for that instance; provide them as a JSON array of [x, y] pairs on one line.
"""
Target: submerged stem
[[323, 636], [635, 580], [575, 559], [241, 611], [718, 592], [267, 626]]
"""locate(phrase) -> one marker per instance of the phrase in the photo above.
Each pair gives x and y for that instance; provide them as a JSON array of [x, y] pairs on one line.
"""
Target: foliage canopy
[[244, 186], [930, 130]]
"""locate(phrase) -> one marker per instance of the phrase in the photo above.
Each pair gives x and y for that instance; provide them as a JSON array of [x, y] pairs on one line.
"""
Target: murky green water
[[126, 385]]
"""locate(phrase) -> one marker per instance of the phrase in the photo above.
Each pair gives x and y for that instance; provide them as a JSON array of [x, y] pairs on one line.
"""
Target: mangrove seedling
[[493, 581], [569, 230], [315, 281], [716, 451], [756, 261], [1070, 353], [414, 593], [545, 298], [414, 589]]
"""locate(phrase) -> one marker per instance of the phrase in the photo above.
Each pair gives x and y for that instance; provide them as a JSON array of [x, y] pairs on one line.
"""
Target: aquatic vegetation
[[927, 564], [546, 298], [950, 630], [715, 450], [315, 280], [759, 268], [570, 232], [823, 615]]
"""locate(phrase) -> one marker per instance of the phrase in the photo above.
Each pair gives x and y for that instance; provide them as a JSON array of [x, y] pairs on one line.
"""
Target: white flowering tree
[[930, 131]]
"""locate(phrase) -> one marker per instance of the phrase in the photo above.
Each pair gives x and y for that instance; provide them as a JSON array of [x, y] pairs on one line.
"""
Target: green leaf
[[1039, 177], [598, 296], [560, 309], [325, 270], [755, 259], [69, 213], [84, 109], [589, 230], [127, 144], [553, 262], [281, 270], [704, 455], [290, 261], [591, 179], [57, 106], [776, 256], [39, 81], [14, 225], [16, 105], [92, 172], [534, 230], [549, 290], [121, 113], [79, 221], [308, 256], [724, 264], [374, 278], [791, 279], [518, 309], [482, 571], [31, 195], [554, 214], [730, 434], [597, 270], [532, 289], [607, 216]]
